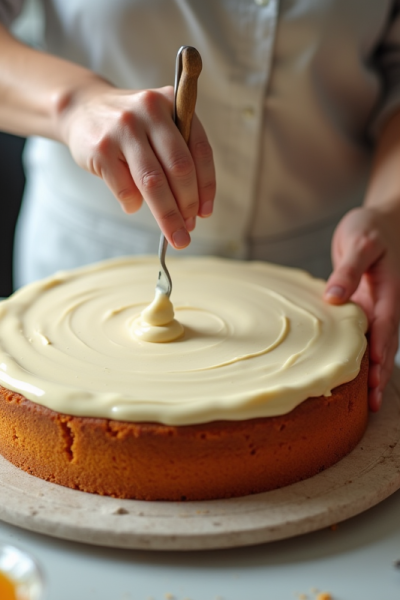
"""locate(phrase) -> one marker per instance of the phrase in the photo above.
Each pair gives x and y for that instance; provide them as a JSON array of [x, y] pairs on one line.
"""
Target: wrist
[[69, 97]]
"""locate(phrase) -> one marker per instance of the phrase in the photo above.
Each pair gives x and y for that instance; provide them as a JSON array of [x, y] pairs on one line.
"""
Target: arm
[[127, 138], [366, 259]]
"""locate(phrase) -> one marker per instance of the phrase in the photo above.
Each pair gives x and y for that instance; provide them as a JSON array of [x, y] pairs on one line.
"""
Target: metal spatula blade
[[164, 283]]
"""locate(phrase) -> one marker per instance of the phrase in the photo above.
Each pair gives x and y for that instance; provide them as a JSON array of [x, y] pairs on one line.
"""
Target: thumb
[[355, 260]]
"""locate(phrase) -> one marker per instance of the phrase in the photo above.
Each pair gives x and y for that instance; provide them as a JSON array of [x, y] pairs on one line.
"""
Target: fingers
[[383, 340], [366, 271], [379, 375], [176, 181], [165, 176], [379, 295], [203, 159], [130, 140], [116, 174], [356, 258]]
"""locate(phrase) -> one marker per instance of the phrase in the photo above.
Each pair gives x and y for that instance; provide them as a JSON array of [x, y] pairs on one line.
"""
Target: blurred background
[[12, 182], [27, 27]]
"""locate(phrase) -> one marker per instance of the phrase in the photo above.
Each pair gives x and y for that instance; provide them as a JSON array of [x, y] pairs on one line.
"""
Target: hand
[[366, 260], [129, 139]]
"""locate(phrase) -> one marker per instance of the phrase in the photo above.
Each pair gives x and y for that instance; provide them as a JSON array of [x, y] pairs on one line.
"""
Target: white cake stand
[[365, 477]]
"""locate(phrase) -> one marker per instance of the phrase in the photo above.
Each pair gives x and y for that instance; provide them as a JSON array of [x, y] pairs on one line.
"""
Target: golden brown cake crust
[[148, 461]]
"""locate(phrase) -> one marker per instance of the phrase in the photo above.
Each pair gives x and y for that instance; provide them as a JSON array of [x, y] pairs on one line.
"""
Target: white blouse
[[291, 95]]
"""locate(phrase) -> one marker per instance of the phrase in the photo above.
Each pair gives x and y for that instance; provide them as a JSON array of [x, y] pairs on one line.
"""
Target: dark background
[[12, 183]]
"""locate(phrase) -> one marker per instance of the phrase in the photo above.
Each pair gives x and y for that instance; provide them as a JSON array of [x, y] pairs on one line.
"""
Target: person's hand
[[366, 261], [129, 139]]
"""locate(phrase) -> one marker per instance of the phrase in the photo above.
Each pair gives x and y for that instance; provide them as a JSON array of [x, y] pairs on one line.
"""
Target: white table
[[353, 562]]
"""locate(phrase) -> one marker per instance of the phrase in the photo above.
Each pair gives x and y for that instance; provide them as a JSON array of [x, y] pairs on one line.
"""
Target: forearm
[[383, 192], [37, 88]]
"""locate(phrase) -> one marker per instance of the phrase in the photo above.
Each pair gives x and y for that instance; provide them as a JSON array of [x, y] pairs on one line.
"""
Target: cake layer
[[150, 461]]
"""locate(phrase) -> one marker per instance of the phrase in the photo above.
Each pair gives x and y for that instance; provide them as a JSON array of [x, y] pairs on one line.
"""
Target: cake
[[265, 385]]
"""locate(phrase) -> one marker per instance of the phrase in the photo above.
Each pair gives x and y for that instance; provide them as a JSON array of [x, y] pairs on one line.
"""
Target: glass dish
[[22, 572]]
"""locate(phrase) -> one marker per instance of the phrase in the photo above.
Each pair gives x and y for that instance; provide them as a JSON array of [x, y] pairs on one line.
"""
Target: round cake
[[264, 384]]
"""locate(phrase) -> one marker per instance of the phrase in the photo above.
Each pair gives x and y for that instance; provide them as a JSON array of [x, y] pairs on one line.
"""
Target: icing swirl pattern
[[157, 323], [257, 340]]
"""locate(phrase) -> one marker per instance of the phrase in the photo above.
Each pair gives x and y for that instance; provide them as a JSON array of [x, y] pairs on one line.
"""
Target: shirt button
[[262, 2]]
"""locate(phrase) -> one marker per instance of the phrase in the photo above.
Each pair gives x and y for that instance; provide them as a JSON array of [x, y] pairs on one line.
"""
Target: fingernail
[[190, 223], [336, 291], [181, 238], [378, 400], [207, 208]]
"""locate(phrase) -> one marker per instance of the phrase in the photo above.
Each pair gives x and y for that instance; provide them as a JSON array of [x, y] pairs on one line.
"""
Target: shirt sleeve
[[388, 62], [9, 10]]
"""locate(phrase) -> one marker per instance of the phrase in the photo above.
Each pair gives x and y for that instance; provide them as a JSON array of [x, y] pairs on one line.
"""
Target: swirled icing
[[157, 323], [258, 340]]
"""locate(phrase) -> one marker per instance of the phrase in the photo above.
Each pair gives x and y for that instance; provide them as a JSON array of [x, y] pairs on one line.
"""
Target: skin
[[128, 138], [366, 259]]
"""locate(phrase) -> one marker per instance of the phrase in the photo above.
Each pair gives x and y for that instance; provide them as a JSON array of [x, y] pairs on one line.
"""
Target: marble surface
[[352, 562], [369, 474]]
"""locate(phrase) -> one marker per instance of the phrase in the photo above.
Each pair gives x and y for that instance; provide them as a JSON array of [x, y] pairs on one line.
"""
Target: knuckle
[[125, 195], [369, 242], [202, 151], [151, 101], [102, 146], [349, 273], [207, 190], [169, 216], [124, 117], [191, 207], [126, 121], [181, 167], [152, 180]]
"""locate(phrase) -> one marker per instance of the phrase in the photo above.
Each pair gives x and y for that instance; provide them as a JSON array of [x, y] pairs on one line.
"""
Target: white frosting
[[157, 323], [258, 339]]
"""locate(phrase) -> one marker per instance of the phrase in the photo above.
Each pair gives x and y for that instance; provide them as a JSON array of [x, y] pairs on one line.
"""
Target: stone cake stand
[[365, 477]]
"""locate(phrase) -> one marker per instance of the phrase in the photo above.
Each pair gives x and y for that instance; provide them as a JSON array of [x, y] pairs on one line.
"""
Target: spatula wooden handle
[[186, 94]]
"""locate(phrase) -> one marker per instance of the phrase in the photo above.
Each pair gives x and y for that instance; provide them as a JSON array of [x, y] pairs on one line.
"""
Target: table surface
[[355, 561]]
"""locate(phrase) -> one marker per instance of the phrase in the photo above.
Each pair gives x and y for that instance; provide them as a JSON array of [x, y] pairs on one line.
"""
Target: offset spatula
[[187, 70]]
